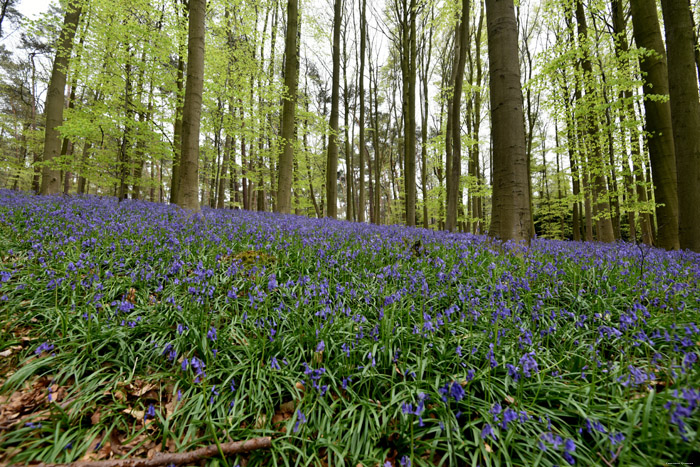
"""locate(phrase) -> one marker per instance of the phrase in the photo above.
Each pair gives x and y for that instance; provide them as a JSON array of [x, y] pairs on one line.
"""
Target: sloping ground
[[132, 328]]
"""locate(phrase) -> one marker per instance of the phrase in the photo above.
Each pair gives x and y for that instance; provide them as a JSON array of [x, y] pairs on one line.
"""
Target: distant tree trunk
[[425, 78], [510, 218], [685, 115], [363, 47], [221, 200], [83, 164], [455, 111], [647, 34], [408, 72], [604, 225], [375, 142], [189, 159], [124, 149], [332, 157], [177, 126], [349, 214], [474, 166], [51, 177]]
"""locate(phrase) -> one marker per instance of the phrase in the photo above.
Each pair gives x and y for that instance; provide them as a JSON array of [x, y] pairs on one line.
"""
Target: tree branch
[[191, 457]]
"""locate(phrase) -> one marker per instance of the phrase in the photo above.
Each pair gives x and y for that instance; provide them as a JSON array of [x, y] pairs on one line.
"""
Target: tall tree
[[596, 163], [454, 123], [685, 115], [291, 83], [51, 176], [406, 13], [510, 218], [647, 35], [332, 157], [188, 190], [177, 125], [363, 149]]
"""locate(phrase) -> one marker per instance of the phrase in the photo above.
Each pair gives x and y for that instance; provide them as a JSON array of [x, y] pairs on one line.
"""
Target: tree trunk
[[604, 225], [510, 218], [425, 78], [685, 115], [363, 46], [177, 126], [647, 34], [51, 178], [291, 83], [189, 159], [455, 109], [408, 72]]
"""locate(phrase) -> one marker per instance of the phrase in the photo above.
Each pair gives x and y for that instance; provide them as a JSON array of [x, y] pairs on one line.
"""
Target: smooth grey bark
[[50, 175], [454, 121], [291, 82], [510, 218], [188, 191]]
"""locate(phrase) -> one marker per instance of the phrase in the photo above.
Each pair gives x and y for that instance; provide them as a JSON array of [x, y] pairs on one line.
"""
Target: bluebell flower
[[487, 431], [301, 419], [273, 364], [150, 413]]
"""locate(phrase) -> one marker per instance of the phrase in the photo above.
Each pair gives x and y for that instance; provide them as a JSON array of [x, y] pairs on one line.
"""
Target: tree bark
[[510, 218], [51, 176], [455, 123], [291, 82], [363, 47], [685, 115], [408, 71], [604, 225], [647, 35], [189, 159]]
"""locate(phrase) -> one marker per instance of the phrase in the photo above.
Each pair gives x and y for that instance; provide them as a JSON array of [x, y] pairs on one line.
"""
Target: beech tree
[[453, 136], [685, 115], [332, 157], [291, 83], [647, 35], [188, 191], [55, 98], [510, 217]]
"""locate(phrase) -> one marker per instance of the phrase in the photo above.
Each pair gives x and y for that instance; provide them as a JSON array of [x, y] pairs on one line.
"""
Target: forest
[[387, 113], [389, 233]]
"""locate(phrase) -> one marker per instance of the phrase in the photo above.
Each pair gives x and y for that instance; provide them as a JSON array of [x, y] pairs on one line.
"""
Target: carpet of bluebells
[[130, 328]]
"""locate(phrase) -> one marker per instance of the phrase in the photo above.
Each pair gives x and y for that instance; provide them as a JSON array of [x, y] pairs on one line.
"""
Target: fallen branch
[[191, 457]]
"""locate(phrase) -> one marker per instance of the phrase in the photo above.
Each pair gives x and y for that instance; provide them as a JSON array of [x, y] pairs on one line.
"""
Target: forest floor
[[129, 330]]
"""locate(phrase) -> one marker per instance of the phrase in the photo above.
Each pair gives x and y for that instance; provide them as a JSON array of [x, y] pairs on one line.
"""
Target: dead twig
[[191, 457]]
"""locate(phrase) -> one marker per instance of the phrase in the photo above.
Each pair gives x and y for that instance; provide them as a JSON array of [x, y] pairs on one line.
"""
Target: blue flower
[[150, 413], [273, 364], [301, 418], [487, 431]]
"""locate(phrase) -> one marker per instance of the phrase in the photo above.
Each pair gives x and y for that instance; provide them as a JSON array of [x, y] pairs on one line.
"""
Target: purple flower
[[273, 364], [301, 418], [211, 334], [45, 347], [487, 431], [150, 413], [528, 364]]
